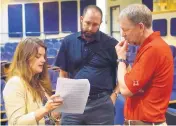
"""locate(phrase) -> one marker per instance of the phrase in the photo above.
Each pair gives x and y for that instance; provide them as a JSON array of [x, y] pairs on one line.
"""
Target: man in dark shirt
[[90, 54]]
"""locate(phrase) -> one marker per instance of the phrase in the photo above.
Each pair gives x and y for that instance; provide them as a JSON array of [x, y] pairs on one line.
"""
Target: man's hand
[[114, 95], [128, 68], [113, 98], [121, 49]]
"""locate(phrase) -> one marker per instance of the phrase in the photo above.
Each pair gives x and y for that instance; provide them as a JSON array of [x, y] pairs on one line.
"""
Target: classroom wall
[[4, 19], [122, 4], [103, 4], [171, 40], [0, 20]]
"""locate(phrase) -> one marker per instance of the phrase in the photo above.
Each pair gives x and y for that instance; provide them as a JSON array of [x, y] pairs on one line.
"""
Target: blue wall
[[69, 16], [15, 20], [51, 17], [160, 25], [173, 26], [32, 22]]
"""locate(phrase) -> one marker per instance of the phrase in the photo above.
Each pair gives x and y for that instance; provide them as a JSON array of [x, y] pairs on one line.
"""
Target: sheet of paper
[[74, 92]]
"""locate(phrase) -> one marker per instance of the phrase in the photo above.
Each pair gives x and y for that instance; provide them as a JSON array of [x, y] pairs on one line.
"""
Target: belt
[[139, 122], [96, 96]]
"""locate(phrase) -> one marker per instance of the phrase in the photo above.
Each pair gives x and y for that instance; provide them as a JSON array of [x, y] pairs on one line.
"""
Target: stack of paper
[[74, 92]]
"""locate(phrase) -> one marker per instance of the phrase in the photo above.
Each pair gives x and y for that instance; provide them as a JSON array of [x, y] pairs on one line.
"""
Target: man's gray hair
[[137, 13]]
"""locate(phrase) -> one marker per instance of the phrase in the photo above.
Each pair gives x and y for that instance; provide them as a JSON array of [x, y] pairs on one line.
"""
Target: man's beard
[[89, 35]]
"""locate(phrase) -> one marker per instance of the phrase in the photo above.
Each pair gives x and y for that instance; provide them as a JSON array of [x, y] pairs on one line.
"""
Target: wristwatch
[[122, 60]]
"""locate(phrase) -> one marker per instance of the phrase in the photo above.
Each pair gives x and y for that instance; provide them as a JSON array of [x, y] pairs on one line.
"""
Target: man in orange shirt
[[147, 87]]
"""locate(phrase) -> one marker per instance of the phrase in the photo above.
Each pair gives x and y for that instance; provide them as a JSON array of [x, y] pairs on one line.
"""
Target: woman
[[27, 94]]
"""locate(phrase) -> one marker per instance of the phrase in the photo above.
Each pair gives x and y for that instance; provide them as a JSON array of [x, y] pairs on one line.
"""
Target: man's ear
[[141, 25], [81, 19]]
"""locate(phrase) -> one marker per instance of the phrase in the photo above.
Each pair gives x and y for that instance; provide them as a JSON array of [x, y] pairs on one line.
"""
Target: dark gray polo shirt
[[99, 69]]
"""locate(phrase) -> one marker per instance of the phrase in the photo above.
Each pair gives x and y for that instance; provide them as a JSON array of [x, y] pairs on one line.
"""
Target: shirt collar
[[149, 39]]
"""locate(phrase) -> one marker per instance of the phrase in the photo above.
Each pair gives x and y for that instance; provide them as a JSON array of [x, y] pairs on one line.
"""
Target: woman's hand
[[56, 116], [53, 102]]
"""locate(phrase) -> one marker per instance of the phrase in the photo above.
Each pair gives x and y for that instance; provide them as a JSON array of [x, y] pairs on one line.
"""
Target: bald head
[[92, 9], [90, 22]]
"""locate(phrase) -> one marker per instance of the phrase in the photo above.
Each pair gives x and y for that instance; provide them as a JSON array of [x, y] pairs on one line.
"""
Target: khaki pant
[[138, 122]]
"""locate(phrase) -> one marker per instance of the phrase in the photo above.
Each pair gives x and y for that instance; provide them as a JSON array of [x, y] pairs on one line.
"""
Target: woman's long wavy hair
[[25, 52]]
